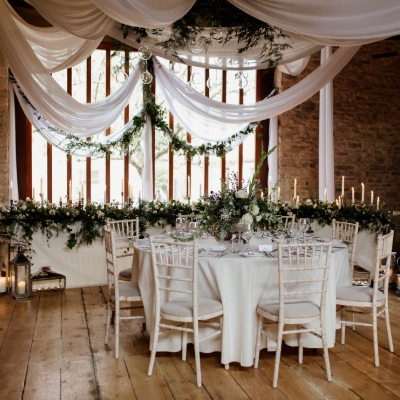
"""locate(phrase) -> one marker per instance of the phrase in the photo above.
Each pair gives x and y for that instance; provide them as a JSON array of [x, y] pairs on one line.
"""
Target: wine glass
[[248, 233], [179, 225], [293, 228], [193, 228], [304, 224]]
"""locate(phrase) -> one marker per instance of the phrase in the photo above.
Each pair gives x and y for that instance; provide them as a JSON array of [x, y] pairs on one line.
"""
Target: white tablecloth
[[240, 283]]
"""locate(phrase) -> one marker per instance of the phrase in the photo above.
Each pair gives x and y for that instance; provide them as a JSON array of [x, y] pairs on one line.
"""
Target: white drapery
[[273, 141], [12, 160], [147, 175], [326, 150]]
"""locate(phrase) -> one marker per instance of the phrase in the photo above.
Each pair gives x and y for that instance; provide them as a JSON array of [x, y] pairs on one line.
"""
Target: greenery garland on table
[[226, 23], [84, 224]]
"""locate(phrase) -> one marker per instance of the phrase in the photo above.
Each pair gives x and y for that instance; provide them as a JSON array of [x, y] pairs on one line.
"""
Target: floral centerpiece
[[236, 203]]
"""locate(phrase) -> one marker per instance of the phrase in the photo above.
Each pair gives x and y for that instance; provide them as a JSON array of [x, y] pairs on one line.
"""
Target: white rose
[[247, 218], [254, 209], [23, 207], [154, 212], [315, 205], [67, 213], [258, 218], [309, 202], [241, 194]]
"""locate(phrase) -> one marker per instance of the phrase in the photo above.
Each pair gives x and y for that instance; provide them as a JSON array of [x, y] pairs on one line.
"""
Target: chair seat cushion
[[182, 307], [126, 274], [356, 293], [292, 308], [130, 289]]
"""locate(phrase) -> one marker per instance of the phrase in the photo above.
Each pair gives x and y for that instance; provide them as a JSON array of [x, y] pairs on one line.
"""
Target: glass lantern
[[5, 241], [47, 280], [20, 274]]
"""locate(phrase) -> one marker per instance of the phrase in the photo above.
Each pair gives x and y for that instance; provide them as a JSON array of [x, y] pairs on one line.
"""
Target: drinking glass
[[193, 228], [304, 224], [248, 233], [293, 229], [179, 224]]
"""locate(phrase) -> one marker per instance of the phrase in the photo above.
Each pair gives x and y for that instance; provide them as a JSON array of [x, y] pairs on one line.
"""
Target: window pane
[[39, 164], [59, 165]]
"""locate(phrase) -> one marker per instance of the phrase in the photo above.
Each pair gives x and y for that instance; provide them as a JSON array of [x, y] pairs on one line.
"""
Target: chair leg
[[154, 348], [278, 355], [343, 324], [197, 355], [258, 340], [354, 325], [375, 334], [389, 331], [326, 352], [184, 342], [108, 321], [301, 348], [116, 325]]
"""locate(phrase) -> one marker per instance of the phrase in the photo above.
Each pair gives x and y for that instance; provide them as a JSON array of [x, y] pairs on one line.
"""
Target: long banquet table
[[240, 283]]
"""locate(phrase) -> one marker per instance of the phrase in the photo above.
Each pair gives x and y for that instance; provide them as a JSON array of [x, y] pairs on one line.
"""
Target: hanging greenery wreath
[[224, 22]]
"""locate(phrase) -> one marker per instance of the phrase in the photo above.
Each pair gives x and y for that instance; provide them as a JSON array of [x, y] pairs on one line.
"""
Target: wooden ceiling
[[28, 13]]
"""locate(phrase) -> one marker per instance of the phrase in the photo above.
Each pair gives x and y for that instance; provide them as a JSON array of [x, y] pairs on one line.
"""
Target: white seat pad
[[355, 293], [292, 309], [130, 289], [182, 307], [126, 273]]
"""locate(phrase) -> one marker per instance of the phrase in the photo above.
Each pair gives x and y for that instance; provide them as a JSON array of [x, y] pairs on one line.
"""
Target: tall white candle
[[279, 192], [33, 193], [122, 186], [189, 186], [70, 190], [325, 195], [10, 191], [342, 185], [60, 199], [295, 187], [377, 203], [105, 194], [270, 186], [362, 193], [372, 197], [297, 201], [352, 196], [41, 185]]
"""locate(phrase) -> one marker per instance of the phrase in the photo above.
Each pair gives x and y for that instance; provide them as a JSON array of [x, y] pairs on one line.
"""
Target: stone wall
[[4, 130], [366, 130]]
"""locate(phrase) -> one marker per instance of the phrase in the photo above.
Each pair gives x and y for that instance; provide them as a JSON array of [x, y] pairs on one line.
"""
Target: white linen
[[146, 14], [326, 148], [80, 17], [240, 283], [56, 49], [339, 22]]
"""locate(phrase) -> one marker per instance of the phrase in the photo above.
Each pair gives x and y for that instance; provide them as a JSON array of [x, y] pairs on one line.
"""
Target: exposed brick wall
[[366, 130], [4, 122]]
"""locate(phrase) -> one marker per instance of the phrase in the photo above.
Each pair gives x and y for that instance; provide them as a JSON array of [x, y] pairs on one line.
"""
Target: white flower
[[258, 218], [241, 194], [154, 212], [315, 205], [52, 212], [67, 213], [247, 218], [156, 206], [23, 207], [28, 199], [254, 209], [309, 202], [99, 214]]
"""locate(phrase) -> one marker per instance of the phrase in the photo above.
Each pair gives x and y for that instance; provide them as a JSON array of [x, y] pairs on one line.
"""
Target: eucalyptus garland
[[225, 23]]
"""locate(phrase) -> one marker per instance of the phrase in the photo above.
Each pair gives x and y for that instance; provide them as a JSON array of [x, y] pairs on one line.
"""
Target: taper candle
[[372, 197], [105, 194], [270, 186], [33, 193], [377, 203], [295, 187], [352, 196], [70, 190], [325, 195], [122, 186], [188, 186], [342, 185], [279, 192], [362, 193], [41, 185], [10, 191]]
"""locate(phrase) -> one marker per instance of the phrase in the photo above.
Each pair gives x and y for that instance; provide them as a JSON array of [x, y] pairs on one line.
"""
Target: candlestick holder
[[83, 201], [11, 203], [61, 203]]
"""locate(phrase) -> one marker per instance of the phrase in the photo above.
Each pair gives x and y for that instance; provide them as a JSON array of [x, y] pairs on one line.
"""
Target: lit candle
[[352, 196], [295, 186], [33, 193], [362, 193], [188, 186], [70, 190], [262, 194], [3, 284], [11, 191], [122, 186], [325, 195], [279, 192], [342, 185], [297, 201], [372, 197], [21, 287], [377, 203], [270, 186], [41, 185], [60, 199]]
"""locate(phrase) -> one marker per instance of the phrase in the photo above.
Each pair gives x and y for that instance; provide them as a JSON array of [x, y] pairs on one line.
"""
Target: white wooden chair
[[347, 232], [126, 232], [285, 219], [175, 271], [303, 278], [117, 292], [370, 298]]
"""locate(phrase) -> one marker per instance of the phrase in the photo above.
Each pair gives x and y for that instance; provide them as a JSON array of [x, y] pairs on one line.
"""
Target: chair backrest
[[382, 264], [111, 259], [175, 269], [303, 273], [126, 229], [285, 219], [347, 232]]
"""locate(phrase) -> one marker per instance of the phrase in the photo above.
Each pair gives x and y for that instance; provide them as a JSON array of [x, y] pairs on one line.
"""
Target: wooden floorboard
[[52, 347]]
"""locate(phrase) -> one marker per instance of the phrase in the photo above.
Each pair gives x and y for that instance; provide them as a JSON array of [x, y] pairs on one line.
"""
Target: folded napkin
[[254, 254]]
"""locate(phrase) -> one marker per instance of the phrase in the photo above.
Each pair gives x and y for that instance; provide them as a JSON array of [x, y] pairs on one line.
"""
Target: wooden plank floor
[[52, 347]]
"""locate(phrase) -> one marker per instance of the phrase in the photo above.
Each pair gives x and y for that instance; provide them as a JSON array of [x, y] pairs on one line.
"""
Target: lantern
[[20, 271], [5, 241], [46, 280]]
